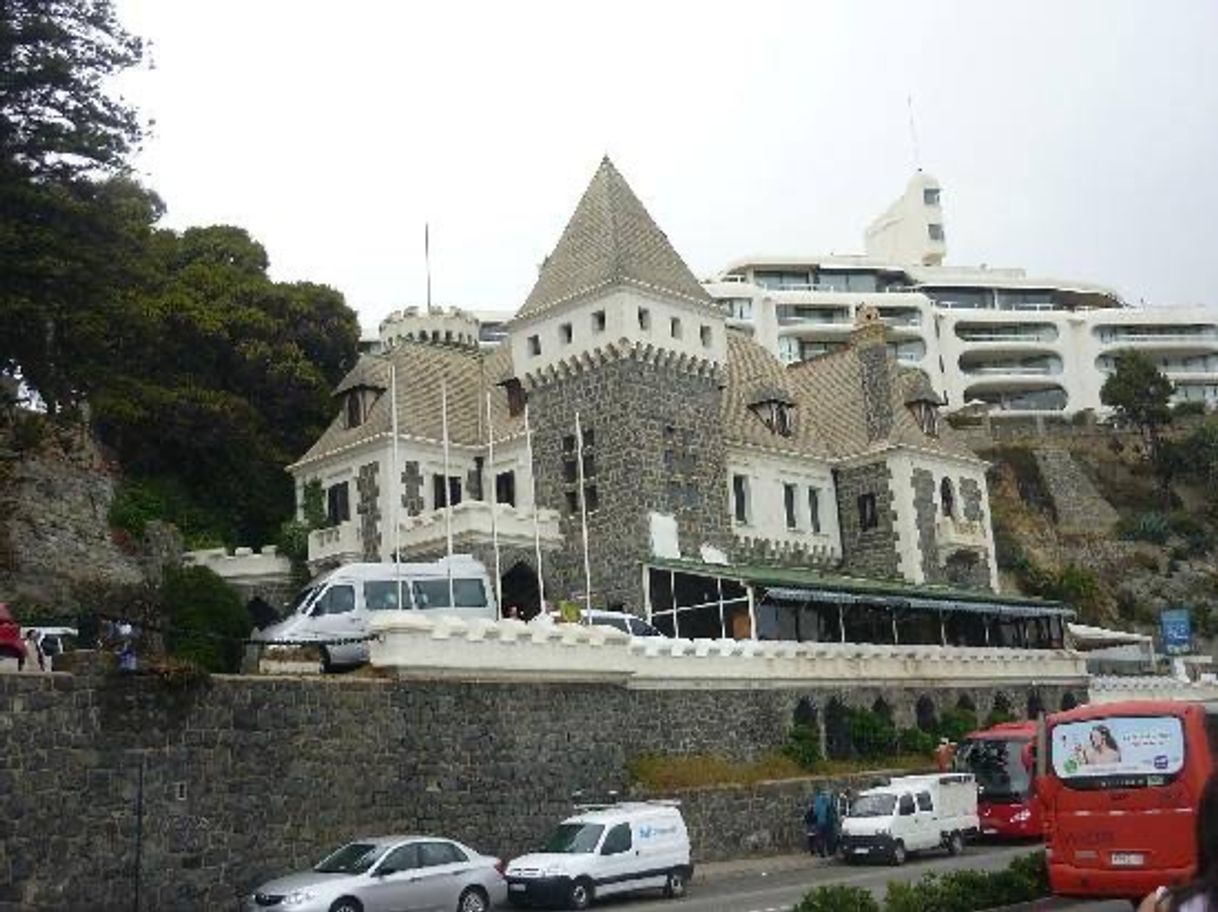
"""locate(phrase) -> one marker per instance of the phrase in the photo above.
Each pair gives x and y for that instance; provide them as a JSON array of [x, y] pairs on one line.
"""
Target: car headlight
[[883, 831], [1021, 816], [296, 897]]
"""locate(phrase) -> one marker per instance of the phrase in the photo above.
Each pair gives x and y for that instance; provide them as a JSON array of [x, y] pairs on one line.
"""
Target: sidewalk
[[714, 871]]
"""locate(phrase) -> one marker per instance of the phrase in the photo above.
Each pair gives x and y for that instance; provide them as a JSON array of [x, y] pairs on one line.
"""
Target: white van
[[605, 850], [911, 814], [339, 604]]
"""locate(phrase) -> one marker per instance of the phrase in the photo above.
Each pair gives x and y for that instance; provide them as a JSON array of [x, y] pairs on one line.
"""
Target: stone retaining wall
[[250, 777]]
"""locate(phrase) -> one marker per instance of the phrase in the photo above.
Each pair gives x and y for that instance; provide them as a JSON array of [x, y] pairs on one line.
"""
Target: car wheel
[[580, 896], [955, 844], [898, 853], [473, 900], [346, 904], [675, 887], [327, 665]]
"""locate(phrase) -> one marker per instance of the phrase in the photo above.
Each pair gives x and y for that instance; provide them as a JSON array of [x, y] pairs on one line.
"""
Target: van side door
[[927, 822], [905, 822], [335, 618], [617, 861]]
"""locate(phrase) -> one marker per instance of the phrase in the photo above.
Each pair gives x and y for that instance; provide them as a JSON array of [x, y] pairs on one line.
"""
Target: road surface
[[757, 891]]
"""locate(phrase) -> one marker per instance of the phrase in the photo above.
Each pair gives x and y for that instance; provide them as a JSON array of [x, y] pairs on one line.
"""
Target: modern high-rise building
[[1019, 343]]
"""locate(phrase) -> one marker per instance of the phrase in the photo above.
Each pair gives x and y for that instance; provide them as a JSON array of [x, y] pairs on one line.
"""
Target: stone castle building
[[703, 462]]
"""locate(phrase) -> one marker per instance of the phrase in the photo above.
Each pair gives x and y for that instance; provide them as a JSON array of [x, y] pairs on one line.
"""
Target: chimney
[[870, 347]]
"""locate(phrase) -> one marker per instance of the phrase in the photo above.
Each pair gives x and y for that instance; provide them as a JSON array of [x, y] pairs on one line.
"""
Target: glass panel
[[380, 595], [467, 593]]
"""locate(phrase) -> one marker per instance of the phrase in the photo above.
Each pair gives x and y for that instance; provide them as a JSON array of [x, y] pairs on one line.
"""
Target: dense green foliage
[[1140, 394], [1025, 879], [139, 501], [205, 376], [803, 746], [837, 898], [206, 620]]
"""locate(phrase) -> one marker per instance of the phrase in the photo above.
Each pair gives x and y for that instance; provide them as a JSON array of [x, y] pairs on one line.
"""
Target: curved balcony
[[1204, 365], [1002, 364], [1006, 332], [1018, 395], [1203, 335]]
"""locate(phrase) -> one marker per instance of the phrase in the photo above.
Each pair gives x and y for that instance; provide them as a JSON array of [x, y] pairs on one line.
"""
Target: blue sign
[[1177, 627]]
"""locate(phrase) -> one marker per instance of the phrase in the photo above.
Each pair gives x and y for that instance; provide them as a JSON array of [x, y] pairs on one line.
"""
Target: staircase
[[1080, 508]]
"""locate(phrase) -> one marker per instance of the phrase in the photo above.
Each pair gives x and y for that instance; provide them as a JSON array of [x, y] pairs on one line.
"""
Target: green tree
[[207, 622], [1141, 395]]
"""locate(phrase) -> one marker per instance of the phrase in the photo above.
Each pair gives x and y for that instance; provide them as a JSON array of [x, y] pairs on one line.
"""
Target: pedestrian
[[833, 826], [944, 754], [1202, 894], [34, 647], [810, 823], [821, 808]]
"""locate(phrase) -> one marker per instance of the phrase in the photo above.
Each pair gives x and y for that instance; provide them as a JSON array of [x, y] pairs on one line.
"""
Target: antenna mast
[[427, 260], [913, 134]]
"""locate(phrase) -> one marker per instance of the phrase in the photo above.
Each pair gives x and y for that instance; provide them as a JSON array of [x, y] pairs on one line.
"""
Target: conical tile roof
[[609, 240]]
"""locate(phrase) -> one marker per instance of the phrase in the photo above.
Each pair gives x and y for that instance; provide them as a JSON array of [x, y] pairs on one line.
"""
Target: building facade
[[1017, 343], [624, 444]]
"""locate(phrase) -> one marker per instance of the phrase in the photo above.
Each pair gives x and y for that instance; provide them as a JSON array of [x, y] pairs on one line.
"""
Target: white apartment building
[[1024, 345]]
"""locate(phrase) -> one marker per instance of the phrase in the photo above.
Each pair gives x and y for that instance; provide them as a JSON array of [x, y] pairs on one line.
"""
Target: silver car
[[390, 874]]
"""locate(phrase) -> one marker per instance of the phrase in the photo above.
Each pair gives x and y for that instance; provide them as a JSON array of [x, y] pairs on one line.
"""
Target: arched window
[[925, 713], [947, 496]]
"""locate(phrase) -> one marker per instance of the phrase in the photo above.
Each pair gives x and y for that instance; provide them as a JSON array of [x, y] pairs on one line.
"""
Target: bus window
[[467, 593], [382, 595]]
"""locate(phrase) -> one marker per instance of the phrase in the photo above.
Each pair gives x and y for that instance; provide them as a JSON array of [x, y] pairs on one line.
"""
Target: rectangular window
[[467, 593], [674, 327], [930, 196], [338, 507], [355, 412], [740, 498], [868, 516], [935, 231], [598, 321], [439, 501], [788, 503], [740, 308], [814, 509], [706, 336], [644, 319], [505, 488], [572, 499], [534, 346], [565, 333], [516, 396], [592, 500]]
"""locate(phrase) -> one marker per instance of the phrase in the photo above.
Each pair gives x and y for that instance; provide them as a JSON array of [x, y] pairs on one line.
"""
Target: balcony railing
[[952, 534], [1019, 370], [471, 524], [1006, 337], [341, 543]]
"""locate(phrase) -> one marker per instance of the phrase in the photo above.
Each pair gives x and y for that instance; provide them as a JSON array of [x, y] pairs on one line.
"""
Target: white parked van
[[605, 850], [339, 604], [911, 814]]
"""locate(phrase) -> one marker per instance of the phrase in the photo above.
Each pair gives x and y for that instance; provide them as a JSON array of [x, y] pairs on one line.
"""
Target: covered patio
[[691, 599]]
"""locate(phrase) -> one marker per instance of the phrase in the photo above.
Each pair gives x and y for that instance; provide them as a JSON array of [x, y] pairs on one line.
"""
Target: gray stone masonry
[[368, 487], [246, 778], [412, 489], [877, 389], [867, 552], [657, 448], [1080, 508], [970, 569]]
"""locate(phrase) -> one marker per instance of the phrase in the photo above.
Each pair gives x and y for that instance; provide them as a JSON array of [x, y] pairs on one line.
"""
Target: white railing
[[1017, 370], [242, 564], [340, 543], [415, 645], [471, 522], [1117, 688], [1006, 337], [959, 533]]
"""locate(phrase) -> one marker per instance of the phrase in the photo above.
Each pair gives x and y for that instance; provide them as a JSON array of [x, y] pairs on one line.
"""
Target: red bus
[[1119, 795], [1001, 759]]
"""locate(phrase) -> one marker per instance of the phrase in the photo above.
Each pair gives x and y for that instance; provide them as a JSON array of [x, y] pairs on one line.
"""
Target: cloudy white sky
[[1074, 139]]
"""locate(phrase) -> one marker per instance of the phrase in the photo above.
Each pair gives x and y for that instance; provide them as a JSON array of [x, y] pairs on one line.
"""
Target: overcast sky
[[1074, 139]]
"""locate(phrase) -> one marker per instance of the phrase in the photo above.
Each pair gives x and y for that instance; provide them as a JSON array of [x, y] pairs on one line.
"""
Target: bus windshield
[[1118, 752], [997, 764]]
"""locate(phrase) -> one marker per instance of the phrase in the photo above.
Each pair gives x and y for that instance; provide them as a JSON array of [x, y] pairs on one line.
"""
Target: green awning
[[798, 584]]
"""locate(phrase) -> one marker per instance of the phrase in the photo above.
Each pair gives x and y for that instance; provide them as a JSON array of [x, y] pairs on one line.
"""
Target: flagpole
[[427, 262], [494, 502], [448, 488], [394, 481], [541, 578], [583, 518]]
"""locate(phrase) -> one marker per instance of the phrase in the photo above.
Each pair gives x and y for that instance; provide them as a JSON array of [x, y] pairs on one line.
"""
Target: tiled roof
[[830, 388], [610, 239], [467, 373], [754, 375]]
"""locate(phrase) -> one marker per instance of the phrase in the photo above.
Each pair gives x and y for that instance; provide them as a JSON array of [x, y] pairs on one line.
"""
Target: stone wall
[[1078, 505], [656, 448], [969, 569], [368, 508], [867, 552], [247, 778]]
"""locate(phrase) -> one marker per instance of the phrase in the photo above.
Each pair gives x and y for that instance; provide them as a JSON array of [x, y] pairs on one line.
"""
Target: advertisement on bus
[[1122, 746]]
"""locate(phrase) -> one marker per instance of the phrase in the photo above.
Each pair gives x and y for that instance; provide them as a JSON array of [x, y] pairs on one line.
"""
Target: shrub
[[1184, 409], [207, 622], [803, 746], [1151, 526], [1023, 880], [29, 431], [138, 501], [872, 735], [916, 741], [838, 898], [954, 724], [998, 717]]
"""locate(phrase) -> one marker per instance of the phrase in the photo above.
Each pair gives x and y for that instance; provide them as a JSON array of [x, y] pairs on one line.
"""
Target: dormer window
[[516, 396], [355, 409], [927, 416], [776, 414]]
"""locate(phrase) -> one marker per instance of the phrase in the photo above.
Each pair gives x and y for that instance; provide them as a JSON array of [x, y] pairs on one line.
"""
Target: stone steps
[[1080, 507]]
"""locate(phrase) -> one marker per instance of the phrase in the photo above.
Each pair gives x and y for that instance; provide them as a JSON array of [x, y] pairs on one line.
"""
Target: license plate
[[989, 831], [1128, 859], [861, 850], [516, 886]]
